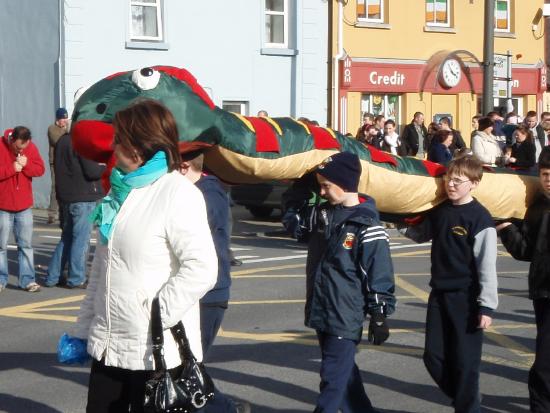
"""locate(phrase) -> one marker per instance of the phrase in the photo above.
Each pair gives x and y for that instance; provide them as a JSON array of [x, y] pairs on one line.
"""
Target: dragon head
[[92, 131]]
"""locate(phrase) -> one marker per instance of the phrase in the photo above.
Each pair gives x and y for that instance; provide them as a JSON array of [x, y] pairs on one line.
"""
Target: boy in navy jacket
[[530, 242], [464, 284], [349, 274]]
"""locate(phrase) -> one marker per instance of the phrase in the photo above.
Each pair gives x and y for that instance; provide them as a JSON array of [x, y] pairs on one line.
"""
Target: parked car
[[260, 199]]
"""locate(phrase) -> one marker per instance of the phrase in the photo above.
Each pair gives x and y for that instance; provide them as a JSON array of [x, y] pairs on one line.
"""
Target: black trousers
[[539, 375], [452, 353], [115, 390]]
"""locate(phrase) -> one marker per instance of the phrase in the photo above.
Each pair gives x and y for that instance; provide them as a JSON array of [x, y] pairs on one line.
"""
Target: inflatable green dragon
[[251, 149]]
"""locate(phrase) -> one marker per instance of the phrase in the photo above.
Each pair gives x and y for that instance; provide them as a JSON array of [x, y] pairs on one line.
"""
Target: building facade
[[248, 55], [397, 57]]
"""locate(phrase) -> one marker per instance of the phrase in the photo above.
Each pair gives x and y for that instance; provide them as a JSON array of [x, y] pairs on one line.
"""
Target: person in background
[[215, 302], [78, 187], [262, 114], [485, 145], [20, 162], [55, 131], [458, 142], [542, 130], [372, 136], [414, 136], [439, 149], [510, 125], [154, 242], [530, 242], [433, 127], [523, 150], [531, 122], [368, 119], [464, 284], [392, 142], [475, 124]]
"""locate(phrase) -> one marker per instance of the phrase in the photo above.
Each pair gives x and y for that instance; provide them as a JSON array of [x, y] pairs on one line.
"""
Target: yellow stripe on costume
[[303, 126], [331, 132], [274, 124], [245, 121]]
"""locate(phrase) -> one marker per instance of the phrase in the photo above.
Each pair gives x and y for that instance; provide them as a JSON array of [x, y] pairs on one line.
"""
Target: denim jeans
[[22, 224], [74, 244]]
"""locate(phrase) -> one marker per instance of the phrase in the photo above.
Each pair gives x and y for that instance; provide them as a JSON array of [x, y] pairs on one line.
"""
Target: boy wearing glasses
[[529, 242], [463, 281]]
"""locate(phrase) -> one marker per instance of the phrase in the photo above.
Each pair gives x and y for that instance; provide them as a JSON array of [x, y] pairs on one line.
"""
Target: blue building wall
[[219, 41], [29, 92]]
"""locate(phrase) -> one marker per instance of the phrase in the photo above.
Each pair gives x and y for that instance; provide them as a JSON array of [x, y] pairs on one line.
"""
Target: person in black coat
[[414, 136], [458, 142], [529, 241], [523, 150], [78, 187]]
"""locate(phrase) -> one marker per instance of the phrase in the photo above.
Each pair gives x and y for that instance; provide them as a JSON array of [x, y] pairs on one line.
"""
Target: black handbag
[[185, 389]]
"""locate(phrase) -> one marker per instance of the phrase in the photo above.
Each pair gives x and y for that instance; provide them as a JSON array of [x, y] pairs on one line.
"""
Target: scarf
[[121, 185]]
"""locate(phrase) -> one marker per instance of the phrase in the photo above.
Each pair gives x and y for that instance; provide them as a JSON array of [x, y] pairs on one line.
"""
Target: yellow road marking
[[492, 333], [412, 254], [279, 267]]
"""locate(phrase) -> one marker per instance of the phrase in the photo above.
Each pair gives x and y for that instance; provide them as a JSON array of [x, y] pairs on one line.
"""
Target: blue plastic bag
[[72, 350]]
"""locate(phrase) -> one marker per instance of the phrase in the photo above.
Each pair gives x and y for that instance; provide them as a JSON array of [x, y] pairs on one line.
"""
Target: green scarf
[[121, 184]]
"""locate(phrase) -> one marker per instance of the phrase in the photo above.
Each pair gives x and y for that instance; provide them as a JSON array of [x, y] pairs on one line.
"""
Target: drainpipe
[[336, 68], [60, 63]]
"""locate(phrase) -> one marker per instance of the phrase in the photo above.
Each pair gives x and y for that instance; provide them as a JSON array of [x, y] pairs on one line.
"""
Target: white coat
[[485, 146], [160, 246]]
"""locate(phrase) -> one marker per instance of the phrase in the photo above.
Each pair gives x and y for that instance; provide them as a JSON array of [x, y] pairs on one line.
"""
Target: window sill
[[439, 29], [373, 25], [506, 35], [273, 51], [147, 45]]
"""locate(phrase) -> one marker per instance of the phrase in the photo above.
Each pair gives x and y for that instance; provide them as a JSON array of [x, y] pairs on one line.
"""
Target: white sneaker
[[2, 287]]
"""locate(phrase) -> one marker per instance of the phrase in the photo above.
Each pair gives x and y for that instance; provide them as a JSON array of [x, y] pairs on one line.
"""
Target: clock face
[[450, 73]]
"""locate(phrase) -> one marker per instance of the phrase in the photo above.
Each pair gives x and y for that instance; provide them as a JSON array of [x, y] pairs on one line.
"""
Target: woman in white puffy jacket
[[484, 144], [154, 242]]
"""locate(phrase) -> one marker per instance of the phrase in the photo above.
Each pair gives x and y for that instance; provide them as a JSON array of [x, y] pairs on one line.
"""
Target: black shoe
[[242, 407], [235, 262], [82, 286]]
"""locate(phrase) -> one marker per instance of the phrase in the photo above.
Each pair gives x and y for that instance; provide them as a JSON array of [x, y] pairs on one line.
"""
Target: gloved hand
[[378, 329], [72, 350]]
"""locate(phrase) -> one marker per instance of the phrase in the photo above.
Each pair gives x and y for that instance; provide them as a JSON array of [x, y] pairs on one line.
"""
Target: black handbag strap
[[178, 332]]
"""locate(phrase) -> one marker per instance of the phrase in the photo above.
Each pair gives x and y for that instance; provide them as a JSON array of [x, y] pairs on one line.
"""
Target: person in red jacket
[[20, 161]]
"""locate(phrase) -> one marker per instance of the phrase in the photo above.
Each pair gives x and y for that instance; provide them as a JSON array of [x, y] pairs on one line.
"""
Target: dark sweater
[[464, 249], [76, 179], [217, 208], [525, 155]]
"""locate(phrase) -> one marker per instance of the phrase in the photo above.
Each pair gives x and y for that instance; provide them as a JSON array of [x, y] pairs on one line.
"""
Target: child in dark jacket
[[215, 302], [349, 274], [529, 242], [464, 284]]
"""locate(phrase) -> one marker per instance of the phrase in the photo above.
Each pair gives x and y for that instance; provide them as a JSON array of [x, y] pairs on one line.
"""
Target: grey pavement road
[[264, 354]]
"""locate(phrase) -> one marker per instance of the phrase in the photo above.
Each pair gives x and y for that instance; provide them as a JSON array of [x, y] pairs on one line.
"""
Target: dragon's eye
[[101, 108], [146, 78]]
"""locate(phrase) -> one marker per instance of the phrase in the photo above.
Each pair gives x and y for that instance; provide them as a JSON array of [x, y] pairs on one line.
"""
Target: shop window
[[146, 20], [502, 15], [438, 13], [387, 105], [370, 11], [276, 23], [236, 106]]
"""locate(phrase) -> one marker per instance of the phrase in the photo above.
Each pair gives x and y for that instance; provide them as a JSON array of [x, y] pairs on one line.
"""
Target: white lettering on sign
[[347, 75], [396, 79]]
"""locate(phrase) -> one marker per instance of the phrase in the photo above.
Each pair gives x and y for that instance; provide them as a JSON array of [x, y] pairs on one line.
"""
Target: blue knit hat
[[61, 113], [342, 169]]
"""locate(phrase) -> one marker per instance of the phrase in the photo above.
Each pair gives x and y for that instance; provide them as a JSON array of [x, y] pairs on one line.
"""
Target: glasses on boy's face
[[455, 181]]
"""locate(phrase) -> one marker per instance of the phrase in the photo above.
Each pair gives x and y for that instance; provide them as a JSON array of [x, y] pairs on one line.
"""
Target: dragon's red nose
[[93, 139]]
